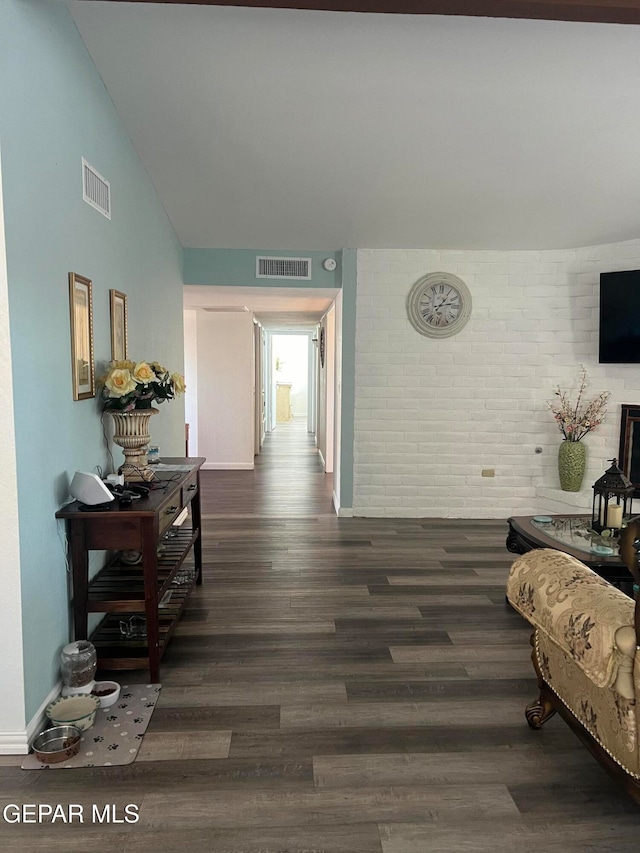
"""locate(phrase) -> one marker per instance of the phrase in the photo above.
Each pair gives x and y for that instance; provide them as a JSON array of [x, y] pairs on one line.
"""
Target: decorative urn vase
[[572, 461], [132, 434]]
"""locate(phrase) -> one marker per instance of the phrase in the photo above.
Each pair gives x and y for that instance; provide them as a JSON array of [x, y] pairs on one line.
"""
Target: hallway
[[340, 686], [287, 480]]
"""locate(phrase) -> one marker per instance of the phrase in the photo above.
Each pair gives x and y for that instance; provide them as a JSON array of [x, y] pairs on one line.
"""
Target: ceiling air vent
[[269, 267], [95, 190]]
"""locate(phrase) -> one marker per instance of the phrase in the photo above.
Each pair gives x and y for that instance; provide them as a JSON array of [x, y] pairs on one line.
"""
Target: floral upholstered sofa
[[584, 652]]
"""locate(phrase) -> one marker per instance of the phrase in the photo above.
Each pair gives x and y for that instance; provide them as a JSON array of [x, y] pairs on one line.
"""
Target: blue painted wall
[[54, 110], [237, 268]]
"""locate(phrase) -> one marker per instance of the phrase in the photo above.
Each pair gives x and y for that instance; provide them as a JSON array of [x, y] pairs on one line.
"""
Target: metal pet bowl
[[57, 744]]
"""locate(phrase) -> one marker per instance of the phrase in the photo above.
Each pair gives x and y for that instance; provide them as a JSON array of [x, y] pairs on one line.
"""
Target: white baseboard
[[228, 466], [342, 511], [14, 743], [19, 743]]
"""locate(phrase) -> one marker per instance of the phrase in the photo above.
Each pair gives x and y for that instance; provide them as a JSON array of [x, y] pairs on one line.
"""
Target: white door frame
[[329, 361], [257, 387], [312, 374], [271, 385], [14, 736]]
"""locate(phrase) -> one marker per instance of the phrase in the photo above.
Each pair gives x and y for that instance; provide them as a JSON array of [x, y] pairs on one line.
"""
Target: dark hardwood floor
[[339, 686]]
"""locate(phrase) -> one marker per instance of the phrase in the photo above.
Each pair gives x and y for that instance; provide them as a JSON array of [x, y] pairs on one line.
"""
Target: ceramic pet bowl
[[57, 744], [77, 710], [107, 692]]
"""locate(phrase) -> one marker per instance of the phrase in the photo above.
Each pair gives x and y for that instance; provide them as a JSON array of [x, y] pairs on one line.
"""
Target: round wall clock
[[322, 346], [439, 305]]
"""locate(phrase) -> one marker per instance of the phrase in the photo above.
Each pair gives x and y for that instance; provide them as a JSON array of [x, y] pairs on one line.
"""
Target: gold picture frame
[[119, 341], [83, 370]]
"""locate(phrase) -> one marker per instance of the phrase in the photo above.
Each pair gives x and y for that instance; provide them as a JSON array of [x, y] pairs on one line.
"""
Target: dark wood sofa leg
[[541, 709]]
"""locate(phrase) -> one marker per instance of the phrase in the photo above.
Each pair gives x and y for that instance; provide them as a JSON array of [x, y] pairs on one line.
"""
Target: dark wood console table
[[121, 590], [568, 533]]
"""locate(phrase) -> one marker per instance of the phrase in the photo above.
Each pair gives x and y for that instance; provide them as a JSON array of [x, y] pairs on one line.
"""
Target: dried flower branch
[[576, 421]]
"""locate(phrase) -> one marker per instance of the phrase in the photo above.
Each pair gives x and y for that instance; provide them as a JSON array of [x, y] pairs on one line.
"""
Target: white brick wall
[[430, 414]]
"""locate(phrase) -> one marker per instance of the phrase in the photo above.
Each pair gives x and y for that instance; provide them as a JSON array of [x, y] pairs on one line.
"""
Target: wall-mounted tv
[[620, 317]]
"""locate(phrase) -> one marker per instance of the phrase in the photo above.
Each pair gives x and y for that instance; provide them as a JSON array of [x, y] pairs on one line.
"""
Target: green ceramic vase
[[572, 460]]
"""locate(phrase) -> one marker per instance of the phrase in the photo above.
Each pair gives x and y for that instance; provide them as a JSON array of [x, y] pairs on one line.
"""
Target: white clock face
[[439, 305]]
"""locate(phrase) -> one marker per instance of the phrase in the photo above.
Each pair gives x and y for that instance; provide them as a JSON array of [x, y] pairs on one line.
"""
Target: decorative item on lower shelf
[[134, 558], [134, 628], [184, 576], [166, 599], [130, 558]]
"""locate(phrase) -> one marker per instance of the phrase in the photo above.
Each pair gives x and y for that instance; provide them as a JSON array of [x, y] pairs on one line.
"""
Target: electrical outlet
[[488, 472]]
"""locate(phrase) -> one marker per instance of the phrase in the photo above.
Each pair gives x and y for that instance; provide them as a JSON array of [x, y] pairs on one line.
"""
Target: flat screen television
[[620, 317]]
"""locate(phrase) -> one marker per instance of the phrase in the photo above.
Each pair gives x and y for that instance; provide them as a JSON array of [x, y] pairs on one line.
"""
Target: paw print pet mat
[[116, 735]]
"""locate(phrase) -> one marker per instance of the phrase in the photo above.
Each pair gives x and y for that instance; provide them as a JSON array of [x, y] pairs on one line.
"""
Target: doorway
[[242, 347], [290, 374]]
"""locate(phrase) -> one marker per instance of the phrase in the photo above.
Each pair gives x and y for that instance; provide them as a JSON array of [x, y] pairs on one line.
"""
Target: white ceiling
[[288, 129], [275, 307]]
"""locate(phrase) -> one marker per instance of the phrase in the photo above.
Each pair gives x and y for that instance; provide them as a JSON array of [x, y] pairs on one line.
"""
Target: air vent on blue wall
[[270, 267], [96, 191]]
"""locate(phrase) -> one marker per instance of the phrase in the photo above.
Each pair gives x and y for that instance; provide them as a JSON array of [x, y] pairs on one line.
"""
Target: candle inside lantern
[[603, 514], [614, 516]]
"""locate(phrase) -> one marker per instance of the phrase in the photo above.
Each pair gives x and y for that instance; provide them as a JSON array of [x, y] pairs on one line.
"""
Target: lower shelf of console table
[[116, 651]]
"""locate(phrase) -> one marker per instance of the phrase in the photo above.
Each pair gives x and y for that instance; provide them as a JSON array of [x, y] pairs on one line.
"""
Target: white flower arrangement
[[130, 385]]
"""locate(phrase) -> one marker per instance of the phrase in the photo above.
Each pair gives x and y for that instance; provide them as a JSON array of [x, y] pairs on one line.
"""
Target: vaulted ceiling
[[611, 11], [291, 129]]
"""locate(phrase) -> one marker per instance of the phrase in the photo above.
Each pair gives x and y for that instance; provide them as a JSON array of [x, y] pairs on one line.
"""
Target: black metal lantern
[[612, 495]]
